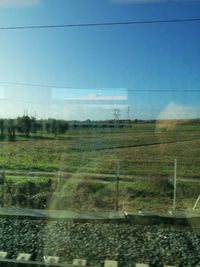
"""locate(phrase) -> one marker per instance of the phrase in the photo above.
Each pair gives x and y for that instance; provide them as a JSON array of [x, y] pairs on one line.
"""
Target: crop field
[[83, 163]]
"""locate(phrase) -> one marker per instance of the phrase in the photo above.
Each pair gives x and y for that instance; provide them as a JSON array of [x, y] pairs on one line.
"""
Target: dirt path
[[103, 177]]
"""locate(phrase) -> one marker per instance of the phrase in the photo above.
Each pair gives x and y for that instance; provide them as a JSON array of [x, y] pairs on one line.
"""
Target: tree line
[[26, 126]]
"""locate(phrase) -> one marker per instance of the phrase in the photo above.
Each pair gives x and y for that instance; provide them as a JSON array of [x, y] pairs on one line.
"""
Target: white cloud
[[19, 3], [178, 111], [95, 97]]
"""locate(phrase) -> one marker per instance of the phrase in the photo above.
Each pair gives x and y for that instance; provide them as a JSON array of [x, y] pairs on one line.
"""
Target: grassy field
[[145, 152]]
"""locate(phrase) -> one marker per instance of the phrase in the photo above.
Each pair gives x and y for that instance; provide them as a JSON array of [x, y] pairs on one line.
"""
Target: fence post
[[175, 178], [2, 180], [195, 205], [117, 189]]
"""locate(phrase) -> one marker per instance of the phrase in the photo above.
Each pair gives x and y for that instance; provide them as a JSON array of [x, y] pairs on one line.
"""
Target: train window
[[100, 133]]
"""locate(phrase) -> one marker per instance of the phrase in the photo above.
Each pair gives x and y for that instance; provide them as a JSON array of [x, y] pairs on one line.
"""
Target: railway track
[[60, 241], [54, 262]]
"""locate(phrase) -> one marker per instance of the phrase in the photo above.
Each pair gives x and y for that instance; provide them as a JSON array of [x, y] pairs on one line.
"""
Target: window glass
[[100, 132]]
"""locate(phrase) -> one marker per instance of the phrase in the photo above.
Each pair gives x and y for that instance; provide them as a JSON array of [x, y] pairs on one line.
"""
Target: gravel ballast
[[126, 243]]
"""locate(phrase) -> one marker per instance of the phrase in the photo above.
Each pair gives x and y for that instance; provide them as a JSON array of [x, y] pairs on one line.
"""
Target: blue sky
[[107, 67]]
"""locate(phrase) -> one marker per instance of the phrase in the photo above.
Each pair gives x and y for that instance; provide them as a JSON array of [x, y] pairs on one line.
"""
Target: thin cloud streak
[[94, 97]]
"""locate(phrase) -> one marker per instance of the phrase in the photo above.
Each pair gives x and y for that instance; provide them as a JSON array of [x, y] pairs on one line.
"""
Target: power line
[[52, 86], [40, 85], [122, 23]]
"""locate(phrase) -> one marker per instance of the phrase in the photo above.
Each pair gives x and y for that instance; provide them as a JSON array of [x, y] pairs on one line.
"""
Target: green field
[[145, 153]]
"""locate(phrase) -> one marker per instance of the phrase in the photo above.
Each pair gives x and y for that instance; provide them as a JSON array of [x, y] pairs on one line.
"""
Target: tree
[[10, 127], [53, 126], [34, 125], [24, 125], [62, 126], [2, 126]]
